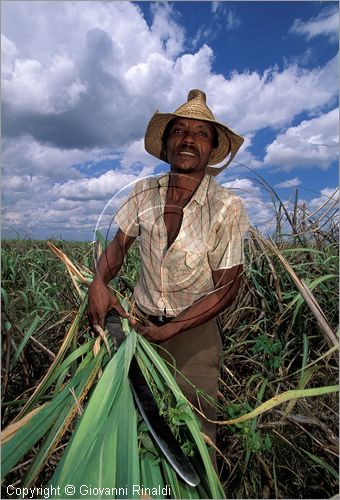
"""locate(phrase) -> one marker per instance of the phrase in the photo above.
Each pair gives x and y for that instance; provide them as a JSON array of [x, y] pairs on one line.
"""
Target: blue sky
[[81, 80]]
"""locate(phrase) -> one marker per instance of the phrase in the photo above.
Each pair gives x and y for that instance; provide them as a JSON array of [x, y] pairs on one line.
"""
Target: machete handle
[[112, 316], [114, 327]]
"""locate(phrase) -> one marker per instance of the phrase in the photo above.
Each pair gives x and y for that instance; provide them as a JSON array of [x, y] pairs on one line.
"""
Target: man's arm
[[101, 299], [227, 283]]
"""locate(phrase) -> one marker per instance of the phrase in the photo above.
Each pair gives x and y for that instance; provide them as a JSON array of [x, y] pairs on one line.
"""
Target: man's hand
[[101, 300], [150, 332]]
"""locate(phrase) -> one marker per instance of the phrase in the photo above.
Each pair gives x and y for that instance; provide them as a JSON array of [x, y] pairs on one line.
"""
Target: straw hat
[[196, 108]]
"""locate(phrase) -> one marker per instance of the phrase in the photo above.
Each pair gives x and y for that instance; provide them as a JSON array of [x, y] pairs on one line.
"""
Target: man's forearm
[[113, 257], [110, 262], [203, 310], [101, 299]]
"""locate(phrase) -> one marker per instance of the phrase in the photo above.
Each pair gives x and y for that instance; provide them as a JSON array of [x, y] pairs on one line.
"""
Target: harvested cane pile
[[278, 407]]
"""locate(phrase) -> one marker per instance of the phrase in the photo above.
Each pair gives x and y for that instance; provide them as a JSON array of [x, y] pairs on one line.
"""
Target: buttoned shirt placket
[[194, 204], [163, 239]]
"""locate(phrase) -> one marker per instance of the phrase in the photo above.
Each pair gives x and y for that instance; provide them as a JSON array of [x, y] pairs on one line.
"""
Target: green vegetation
[[278, 407]]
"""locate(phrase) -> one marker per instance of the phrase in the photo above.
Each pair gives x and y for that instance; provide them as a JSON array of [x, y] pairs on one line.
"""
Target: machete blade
[[148, 408]]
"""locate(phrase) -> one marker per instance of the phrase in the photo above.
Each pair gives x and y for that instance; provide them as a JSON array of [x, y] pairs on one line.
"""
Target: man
[[191, 246]]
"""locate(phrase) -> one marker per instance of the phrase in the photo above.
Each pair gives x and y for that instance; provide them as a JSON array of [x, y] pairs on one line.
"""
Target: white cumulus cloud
[[311, 143], [98, 188]]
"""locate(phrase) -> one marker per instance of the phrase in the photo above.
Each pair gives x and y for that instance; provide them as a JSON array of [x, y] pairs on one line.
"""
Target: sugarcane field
[[70, 425]]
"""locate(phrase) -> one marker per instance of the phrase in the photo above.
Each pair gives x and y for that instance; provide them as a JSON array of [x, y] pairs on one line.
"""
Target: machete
[[148, 408]]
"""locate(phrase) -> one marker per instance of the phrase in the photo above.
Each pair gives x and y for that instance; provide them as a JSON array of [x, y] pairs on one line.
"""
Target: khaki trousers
[[197, 354]]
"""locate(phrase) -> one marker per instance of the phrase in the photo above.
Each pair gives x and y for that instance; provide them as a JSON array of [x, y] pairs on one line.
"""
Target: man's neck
[[183, 186]]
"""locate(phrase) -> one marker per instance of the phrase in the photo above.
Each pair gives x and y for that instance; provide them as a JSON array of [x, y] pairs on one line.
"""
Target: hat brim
[[228, 141]]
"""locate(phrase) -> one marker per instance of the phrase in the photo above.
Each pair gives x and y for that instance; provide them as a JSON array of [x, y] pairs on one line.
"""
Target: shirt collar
[[200, 194]]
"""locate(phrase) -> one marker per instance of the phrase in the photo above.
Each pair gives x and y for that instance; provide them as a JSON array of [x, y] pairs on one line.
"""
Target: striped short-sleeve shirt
[[210, 238]]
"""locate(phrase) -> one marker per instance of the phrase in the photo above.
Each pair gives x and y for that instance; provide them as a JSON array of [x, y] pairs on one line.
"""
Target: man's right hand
[[101, 300]]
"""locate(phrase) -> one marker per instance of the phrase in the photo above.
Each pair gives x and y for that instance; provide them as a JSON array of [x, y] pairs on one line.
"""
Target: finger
[[120, 310], [132, 321], [98, 319], [101, 320], [90, 320], [138, 327], [135, 327]]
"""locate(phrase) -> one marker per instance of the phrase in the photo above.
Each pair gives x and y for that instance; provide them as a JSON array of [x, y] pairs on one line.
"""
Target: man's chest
[[173, 217], [166, 227]]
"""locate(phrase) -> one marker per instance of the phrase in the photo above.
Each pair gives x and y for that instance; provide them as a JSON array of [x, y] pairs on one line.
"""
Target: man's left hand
[[150, 332]]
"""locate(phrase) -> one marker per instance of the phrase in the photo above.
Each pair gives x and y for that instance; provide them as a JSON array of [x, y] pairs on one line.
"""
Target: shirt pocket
[[195, 254]]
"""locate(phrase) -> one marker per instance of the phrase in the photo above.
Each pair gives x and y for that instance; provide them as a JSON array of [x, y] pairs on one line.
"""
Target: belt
[[159, 320], [156, 320]]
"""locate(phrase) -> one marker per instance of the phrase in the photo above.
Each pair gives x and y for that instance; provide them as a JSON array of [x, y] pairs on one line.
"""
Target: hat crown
[[196, 106], [195, 93]]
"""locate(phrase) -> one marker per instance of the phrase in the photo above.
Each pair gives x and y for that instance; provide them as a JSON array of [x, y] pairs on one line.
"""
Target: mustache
[[188, 149]]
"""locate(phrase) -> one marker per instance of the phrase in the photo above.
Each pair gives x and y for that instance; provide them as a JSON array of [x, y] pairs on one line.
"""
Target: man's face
[[190, 145]]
